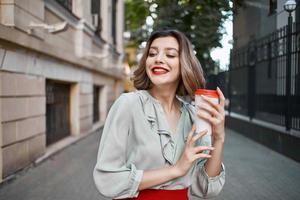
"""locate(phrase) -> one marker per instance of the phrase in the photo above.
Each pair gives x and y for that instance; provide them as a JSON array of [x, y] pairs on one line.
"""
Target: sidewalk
[[253, 172], [256, 172]]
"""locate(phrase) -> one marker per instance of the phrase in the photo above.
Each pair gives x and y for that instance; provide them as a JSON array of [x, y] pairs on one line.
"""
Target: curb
[[64, 143]]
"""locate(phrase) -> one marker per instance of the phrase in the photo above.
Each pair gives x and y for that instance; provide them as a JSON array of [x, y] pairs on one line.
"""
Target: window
[[96, 108], [96, 15], [114, 21], [67, 4], [272, 6]]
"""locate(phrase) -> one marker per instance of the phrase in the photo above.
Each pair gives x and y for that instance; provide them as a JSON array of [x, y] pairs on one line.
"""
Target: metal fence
[[258, 81]]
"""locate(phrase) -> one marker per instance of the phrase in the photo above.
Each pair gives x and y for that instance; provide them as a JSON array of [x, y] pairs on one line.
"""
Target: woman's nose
[[159, 58]]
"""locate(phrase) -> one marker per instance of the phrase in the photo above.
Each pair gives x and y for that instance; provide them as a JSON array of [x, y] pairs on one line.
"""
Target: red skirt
[[152, 194]]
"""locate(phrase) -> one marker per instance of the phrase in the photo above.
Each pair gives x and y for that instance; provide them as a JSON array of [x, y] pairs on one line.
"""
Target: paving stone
[[252, 172]]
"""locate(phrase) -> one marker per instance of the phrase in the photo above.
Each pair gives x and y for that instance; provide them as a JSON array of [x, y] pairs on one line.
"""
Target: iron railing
[[257, 79]]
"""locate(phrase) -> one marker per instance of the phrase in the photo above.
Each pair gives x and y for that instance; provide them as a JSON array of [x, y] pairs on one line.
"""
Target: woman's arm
[[157, 176], [189, 156], [113, 177], [213, 165]]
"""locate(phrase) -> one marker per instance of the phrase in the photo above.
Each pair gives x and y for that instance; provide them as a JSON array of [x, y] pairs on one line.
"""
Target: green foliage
[[135, 16], [200, 20]]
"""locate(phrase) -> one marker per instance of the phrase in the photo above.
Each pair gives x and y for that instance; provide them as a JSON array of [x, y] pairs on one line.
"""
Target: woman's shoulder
[[138, 96], [125, 104], [130, 99]]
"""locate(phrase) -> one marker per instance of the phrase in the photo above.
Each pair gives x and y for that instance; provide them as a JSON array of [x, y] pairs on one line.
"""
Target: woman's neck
[[166, 97]]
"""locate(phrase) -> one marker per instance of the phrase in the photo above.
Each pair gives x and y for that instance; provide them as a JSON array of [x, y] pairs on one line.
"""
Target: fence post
[[251, 80], [229, 73], [229, 91], [288, 74]]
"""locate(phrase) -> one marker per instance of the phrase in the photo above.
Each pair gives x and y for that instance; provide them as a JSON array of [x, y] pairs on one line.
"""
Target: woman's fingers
[[197, 136], [221, 97], [219, 107], [201, 155], [199, 149], [207, 117], [211, 102], [210, 110], [190, 135]]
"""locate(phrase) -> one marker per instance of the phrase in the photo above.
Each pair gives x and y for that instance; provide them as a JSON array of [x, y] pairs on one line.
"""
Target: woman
[[149, 148]]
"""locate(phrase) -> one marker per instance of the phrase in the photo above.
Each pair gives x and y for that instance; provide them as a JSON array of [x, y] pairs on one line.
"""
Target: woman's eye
[[171, 56], [151, 54]]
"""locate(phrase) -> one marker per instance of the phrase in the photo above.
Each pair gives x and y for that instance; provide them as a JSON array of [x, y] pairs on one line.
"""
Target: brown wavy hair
[[191, 78]]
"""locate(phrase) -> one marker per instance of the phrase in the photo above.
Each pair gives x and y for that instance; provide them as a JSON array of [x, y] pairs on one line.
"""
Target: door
[[57, 111]]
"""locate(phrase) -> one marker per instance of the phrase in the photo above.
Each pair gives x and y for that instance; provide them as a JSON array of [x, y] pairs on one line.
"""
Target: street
[[252, 172]]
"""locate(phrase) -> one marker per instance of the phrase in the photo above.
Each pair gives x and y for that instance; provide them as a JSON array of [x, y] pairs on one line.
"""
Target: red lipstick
[[158, 70]]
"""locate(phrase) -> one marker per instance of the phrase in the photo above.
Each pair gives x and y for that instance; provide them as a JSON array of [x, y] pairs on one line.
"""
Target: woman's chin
[[159, 81], [162, 83]]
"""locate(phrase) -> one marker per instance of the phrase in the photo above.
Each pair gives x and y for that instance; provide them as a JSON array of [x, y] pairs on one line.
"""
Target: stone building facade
[[60, 70]]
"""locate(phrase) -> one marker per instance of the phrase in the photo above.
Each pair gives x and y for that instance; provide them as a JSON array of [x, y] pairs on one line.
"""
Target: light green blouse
[[136, 137]]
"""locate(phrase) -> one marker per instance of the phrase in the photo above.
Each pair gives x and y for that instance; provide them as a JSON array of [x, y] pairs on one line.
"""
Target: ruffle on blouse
[[156, 118]]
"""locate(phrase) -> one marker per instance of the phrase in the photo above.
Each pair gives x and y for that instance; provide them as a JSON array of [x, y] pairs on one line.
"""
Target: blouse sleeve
[[202, 185], [113, 176]]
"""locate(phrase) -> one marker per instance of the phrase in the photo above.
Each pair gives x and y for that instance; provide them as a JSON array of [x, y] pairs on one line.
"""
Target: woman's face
[[162, 63]]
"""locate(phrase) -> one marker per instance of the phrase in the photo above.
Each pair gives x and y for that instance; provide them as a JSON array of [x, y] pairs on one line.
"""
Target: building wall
[[29, 57], [1, 136], [254, 20], [23, 118], [251, 21], [298, 11], [82, 9]]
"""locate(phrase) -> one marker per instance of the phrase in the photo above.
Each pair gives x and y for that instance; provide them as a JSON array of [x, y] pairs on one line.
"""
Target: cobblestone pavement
[[252, 172]]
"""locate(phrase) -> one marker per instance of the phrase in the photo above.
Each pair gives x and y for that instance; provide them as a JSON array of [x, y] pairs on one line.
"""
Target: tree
[[200, 20]]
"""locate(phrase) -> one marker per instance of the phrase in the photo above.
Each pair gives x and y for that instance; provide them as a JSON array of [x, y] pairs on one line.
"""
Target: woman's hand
[[215, 115], [191, 153]]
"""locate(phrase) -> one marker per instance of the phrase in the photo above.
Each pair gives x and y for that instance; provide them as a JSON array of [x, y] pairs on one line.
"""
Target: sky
[[221, 55]]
